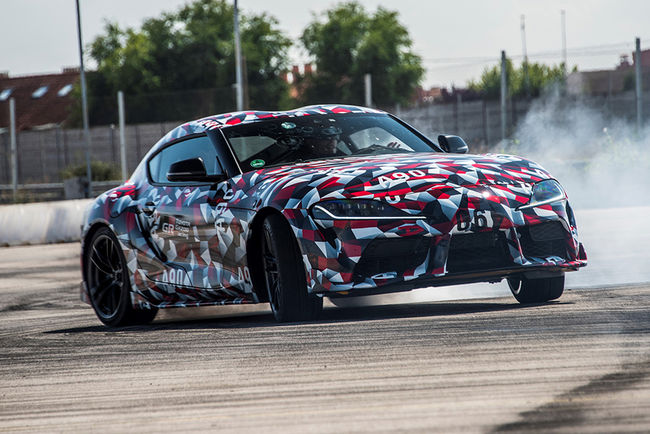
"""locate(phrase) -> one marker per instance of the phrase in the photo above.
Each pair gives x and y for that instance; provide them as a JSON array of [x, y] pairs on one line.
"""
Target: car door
[[178, 226], [194, 225]]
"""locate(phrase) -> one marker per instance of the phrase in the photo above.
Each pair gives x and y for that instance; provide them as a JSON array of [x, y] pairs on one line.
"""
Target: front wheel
[[284, 274], [536, 290], [108, 282]]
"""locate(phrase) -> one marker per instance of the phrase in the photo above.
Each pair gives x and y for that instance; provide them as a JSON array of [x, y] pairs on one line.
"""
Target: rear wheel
[[536, 290], [284, 274], [108, 282]]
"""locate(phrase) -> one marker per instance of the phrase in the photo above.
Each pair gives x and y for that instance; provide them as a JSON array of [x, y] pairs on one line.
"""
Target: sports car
[[322, 201]]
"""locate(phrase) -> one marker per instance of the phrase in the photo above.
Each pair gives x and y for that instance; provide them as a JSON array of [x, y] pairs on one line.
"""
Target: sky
[[456, 39]]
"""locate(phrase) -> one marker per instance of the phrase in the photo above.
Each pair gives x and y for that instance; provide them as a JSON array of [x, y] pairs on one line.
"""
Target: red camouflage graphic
[[194, 248]]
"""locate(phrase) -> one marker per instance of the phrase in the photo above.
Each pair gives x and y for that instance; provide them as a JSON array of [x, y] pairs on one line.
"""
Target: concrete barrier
[[41, 223]]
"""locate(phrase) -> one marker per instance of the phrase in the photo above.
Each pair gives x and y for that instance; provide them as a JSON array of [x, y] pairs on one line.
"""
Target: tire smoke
[[600, 159], [603, 162]]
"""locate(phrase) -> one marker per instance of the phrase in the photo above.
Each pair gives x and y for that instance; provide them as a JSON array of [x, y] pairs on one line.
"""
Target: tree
[[349, 43], [540, 76], [190, 49]]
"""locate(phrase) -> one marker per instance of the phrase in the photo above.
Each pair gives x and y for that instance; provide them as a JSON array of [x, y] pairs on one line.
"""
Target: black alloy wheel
[[107, 280], [536, 290], [271, 272], [284, 274]]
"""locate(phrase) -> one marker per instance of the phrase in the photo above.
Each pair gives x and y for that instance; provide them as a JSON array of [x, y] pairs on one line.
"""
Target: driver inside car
[[320, 145]]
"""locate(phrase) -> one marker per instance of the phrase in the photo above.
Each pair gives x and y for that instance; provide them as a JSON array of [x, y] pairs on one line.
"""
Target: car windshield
[[295, 139]]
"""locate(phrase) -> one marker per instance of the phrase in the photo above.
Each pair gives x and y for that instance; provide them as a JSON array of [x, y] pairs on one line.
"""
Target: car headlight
[[358, 210], [544, 193]]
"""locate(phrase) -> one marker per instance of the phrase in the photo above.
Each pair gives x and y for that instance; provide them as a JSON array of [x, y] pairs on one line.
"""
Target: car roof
[[249, 116]]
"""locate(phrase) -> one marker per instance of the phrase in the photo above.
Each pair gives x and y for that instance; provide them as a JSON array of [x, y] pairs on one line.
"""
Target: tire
[[536, 290], [284, 274], [108, 283]]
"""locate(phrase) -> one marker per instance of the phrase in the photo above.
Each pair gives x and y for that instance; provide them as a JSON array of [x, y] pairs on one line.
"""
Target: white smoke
[[602, 161]]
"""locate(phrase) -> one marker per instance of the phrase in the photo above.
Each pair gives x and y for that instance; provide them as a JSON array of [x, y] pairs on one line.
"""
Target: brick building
[[41, 100]]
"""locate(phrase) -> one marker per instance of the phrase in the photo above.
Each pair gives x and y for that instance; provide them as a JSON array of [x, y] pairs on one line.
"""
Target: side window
[[190, 148]]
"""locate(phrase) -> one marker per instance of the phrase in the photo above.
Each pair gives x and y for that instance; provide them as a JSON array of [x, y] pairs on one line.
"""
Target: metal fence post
[[84, 107], [120, 108], [457, 114], [504, 89], [14, 151], [42, 153], [486, 135], [639, 94], [367, 79], [57, 141], [238, 71]]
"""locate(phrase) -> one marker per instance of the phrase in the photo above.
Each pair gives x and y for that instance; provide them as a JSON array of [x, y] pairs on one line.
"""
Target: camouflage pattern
[[193, 249]]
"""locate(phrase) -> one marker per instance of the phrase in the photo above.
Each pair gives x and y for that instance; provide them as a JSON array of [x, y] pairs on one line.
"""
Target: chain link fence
[[44, 155]]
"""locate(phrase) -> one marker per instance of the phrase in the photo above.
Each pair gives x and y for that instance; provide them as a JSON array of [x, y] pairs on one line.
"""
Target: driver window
[[379, 137], [191, 148]]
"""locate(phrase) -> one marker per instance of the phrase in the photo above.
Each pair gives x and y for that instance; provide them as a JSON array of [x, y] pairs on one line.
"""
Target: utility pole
[[122, 121], [639, 94], [14, 149], [246, 95], [525, 53], [504, 93], [238, 72], [84, 106], [368, 89]]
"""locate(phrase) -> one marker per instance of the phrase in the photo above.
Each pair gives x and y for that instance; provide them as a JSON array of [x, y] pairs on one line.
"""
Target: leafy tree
[[489, 85], [539, 77], [192, 48], [348, 43]]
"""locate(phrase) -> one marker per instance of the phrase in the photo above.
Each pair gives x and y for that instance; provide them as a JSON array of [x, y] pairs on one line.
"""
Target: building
[[610, 81], [42, 100], [427, 96]]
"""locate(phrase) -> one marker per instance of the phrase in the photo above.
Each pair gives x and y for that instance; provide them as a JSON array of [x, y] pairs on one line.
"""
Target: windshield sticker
[[258, 163], [288, 125]]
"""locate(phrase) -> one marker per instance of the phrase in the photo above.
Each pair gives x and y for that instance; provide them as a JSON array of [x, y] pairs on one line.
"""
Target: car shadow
[[330, 315]]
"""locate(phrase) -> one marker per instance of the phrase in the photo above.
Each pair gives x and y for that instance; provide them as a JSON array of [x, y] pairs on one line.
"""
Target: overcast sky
[[39, 36]]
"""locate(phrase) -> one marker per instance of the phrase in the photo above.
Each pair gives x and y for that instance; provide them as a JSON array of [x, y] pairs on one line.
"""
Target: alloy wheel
[[106, 276], [271, 272]]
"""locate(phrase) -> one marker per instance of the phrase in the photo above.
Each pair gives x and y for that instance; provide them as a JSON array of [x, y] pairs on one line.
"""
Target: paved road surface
[[582, 364]]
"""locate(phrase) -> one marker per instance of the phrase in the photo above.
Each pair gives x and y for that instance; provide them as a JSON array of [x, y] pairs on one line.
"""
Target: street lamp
[[239, 90], [84, 106]]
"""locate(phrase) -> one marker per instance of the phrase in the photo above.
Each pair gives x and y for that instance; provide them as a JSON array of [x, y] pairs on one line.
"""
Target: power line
[[586, 51]]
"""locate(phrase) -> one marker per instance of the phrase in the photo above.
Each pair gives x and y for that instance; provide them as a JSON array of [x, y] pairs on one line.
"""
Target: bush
[[101, 171]]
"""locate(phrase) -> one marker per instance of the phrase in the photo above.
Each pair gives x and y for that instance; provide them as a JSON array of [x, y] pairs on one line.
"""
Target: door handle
[[148, 208]]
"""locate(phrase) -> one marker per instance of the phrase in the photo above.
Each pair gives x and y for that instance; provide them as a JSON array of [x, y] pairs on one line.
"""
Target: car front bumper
[[369, 257]]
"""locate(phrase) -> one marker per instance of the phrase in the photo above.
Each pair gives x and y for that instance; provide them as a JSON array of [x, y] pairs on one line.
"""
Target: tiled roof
[[49, 108]]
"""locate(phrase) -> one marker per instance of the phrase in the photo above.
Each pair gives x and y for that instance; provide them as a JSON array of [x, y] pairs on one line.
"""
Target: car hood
[[394, 175]]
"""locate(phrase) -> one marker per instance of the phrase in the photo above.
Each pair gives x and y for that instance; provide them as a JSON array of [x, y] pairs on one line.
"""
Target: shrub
[[101, 171]]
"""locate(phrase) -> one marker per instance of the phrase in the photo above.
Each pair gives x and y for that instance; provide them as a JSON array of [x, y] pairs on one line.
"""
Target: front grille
[[392, 254], [544, 240], [477, 251], [547, 231]]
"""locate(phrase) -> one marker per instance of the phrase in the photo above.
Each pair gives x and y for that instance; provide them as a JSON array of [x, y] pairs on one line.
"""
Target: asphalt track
[[480, 365]]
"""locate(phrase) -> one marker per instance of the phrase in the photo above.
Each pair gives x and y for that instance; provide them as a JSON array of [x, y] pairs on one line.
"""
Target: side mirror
[[192, 169], [453, 144]]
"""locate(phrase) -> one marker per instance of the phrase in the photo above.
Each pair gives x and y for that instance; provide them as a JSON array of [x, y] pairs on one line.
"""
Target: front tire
[[536, 290], [284, 274], [108, 283]]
